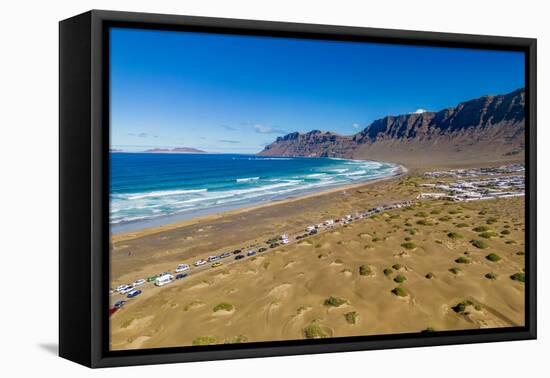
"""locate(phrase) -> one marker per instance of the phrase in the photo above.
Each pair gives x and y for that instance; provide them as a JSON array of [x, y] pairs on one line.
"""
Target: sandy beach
[[404, 270]]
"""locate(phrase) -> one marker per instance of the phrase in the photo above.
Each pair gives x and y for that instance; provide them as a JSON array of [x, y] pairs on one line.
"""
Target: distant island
[[177, 150]]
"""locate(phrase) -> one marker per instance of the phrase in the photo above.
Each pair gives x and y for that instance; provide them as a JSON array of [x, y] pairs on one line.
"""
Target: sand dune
[[338, 283]]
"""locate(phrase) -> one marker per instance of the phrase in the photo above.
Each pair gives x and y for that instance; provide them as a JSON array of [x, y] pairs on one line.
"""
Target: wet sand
[[285, 292]]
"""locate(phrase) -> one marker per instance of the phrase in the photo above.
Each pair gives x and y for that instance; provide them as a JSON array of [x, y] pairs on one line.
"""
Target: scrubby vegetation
[[396, 266], [400, 278], [408, 245], [400, 291], [204, 340], [460, 308], [454, 235], [505, 232], [388, 272], [314, 331], [491, 220], [351, 317], [488, 234], [430, 275], [518, 277], [455, 270], [236, 340], [334, 301], [365, 270], [424, 222], [463, 260], [421, 214], [445, 218], [479, 244], [462, 225], [520, 253], [493, 257], [224, 306], [491, 276], [481, 229]]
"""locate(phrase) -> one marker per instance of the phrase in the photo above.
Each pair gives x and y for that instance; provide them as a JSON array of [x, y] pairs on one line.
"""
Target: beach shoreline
[[400, 171]]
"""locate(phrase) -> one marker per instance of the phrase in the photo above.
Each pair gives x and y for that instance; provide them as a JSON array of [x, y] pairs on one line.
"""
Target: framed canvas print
[[234, 188]]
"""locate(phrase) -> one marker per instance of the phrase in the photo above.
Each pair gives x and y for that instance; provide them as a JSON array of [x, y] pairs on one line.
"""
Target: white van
[[165, 279]]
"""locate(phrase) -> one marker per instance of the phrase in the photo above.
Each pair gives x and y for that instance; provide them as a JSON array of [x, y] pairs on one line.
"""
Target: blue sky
[[224, 93]]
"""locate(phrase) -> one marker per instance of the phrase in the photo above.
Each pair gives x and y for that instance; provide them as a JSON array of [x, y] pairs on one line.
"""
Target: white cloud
[[356, 126], [263, 129], [420, 111]]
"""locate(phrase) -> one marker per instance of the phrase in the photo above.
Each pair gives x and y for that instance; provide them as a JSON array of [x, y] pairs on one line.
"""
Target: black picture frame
[[84, 200]]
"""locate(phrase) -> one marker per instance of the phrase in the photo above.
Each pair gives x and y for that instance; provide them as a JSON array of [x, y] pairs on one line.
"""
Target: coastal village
[[476, 183]]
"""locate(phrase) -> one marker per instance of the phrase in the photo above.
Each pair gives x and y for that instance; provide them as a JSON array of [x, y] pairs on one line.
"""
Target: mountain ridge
[[485, 129]]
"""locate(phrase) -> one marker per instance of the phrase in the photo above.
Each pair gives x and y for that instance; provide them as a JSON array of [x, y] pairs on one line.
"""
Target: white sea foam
[[247, 179], [163, 193]]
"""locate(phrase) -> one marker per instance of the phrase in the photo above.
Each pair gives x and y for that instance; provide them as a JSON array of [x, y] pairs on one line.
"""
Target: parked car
[[284, 241], [152, 278], [238, 257], [213, 258], [121, 287], [251, 253], [200, 262], [274, 245], [180, 276], [262, 249], [225, 255], [216, 264], [127, 290], [164, 279], [237, 251], [119, 304], [313, 232], [182, 268], [138, 282], [133, 293]]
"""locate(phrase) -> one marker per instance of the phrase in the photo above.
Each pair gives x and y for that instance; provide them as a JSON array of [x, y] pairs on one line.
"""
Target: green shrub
[[479, 244], [510, 242], [376, 239], [351, 317], [408, 238], [236, 340], [491, 220], [388, 272], [488, 234], [455, 211], [491, 276], [455, 270], [505, 232], [520, 253], [314, 331], [428, 330], [424, 222], [482, 212], [408, 245], [396, 266], [435, 211], [365, 270], [460, 308], [224, 306], [462, 225], [334, 301], [481, 229], [520, 277], [430, 275], [421, 214], [400, 291], [204, 340], [454, 235], [400, 278], [493, 257], [445, 218], [462, 260]]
